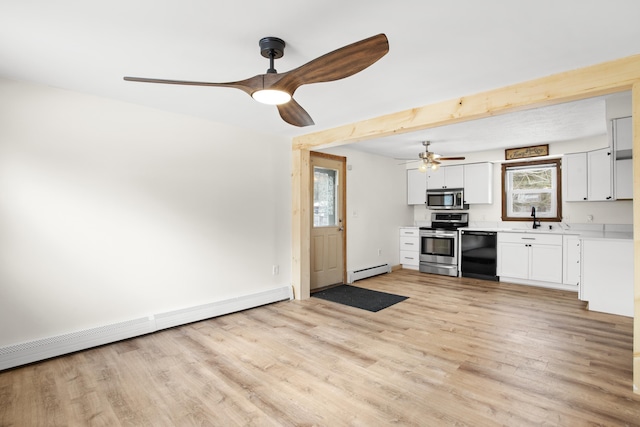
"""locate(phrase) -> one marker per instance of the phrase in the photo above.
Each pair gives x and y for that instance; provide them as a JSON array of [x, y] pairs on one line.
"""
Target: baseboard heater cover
[[363, 273], [33, 351], [219, 308], [45, 348]]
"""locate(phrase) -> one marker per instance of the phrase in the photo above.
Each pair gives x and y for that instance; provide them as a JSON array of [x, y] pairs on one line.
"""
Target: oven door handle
[[441, 235], [479, 233]]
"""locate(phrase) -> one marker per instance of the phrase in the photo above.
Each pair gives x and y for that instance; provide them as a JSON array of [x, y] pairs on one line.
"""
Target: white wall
[[376, 208], [616, 212], [111, 211]]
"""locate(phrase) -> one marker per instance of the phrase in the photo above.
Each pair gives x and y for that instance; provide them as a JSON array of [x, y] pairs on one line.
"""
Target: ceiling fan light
[[271, 96], [423, 167], [435, 166]]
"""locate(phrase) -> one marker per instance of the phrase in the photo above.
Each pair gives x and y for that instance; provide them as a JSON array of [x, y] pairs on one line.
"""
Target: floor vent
[[363, 273]]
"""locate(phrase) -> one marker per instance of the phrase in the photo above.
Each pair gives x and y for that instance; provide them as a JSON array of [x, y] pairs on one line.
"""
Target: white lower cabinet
[[546, 262], [530, 257], [571, 260], [410, 248], [513, 260], [599, 269], [607, 275]]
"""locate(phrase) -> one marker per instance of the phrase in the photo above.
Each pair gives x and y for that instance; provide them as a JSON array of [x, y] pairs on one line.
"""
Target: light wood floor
[[457, 352]]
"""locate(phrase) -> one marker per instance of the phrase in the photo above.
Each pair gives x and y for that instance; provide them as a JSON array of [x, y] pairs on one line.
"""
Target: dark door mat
[[354, 296]]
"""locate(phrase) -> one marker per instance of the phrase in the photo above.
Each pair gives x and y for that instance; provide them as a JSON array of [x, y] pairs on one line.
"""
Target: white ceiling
[[439, 49]]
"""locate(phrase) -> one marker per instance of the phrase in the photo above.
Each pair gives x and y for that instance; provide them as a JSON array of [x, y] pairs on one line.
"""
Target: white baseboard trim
[[194, 314], [558, 286], [33, 351]]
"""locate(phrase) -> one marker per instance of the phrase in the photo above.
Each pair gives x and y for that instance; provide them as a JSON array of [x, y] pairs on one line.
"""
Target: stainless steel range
[[439, 243]]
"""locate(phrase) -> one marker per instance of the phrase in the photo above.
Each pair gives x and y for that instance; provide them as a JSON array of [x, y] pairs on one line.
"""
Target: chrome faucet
[[536, 222]]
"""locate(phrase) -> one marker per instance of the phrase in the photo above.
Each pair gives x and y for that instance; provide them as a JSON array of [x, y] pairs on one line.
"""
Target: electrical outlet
[[276, 270], [589, 218], [379, 252]]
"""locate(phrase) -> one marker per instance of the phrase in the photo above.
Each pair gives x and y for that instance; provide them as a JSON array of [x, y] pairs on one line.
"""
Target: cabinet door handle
[[408, 244], [528, 238]]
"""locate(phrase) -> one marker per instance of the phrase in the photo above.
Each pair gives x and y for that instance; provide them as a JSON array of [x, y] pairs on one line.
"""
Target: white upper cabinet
[[416, 187], [622, 141], [478, 183], [446, 177], [599, 175], [475, 178], [588, 176], [574, 171], [622, 134]]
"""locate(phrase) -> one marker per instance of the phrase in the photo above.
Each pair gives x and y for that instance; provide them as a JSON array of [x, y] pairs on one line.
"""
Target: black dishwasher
[[479, 254]]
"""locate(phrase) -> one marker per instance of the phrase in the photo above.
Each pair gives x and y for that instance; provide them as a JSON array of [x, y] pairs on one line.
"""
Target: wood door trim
[[343, 204], [329, 156]]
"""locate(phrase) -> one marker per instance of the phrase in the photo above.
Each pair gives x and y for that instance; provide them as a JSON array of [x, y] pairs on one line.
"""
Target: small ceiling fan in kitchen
[[431, 160]]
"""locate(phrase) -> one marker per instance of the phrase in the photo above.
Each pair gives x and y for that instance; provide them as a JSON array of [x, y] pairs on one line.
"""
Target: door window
[[325, 200]]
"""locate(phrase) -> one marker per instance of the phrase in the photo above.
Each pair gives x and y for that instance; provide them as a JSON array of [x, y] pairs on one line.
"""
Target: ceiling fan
[[278, 88], [432, 160]]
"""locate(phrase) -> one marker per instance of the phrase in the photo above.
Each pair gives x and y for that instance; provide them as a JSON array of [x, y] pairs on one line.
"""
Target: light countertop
[[584, 234], [584, 231]]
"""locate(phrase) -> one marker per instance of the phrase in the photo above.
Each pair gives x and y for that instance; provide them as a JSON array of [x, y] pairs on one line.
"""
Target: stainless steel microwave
[[446, 198]]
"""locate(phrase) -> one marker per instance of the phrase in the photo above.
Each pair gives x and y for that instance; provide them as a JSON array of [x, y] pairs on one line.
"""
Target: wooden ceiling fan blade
[[451, 158], [294, 114], [249, 85], [340, 63], [265, 88]]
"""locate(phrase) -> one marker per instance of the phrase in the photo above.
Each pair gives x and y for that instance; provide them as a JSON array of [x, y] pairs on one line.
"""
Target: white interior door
[[328, 226]]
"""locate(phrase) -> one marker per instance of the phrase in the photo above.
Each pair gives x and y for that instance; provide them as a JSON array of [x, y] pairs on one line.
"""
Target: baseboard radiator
[[41, 349], [363, 273]]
